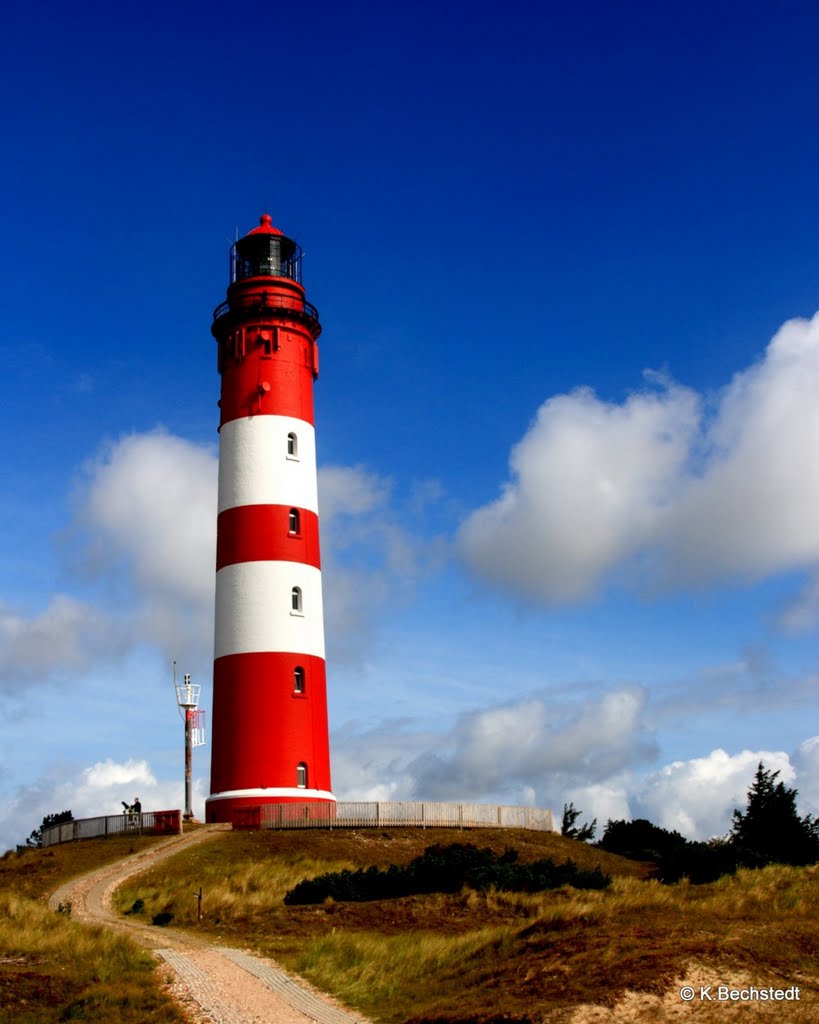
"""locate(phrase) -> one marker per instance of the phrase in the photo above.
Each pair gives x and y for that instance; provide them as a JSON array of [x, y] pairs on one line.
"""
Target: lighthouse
[[269, 722]]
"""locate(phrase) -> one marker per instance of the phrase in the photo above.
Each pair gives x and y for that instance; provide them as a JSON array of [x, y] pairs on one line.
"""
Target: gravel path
[[214, 984]]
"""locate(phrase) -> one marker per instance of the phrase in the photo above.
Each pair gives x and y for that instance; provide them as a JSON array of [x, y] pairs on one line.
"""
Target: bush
[[445, 869], [770, 830], [640, 840], [706, 862]]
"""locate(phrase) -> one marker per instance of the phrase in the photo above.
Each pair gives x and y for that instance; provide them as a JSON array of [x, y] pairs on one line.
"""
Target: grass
[[482, 958], [487, 957], [37, 872], [54, 969]]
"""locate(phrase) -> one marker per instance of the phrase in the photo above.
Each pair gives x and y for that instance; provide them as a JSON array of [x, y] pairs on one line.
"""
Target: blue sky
[[565, 260]]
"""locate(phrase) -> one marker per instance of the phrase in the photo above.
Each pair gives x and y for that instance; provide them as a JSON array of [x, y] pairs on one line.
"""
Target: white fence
[[316, 814], [384, 814], [155, 823]]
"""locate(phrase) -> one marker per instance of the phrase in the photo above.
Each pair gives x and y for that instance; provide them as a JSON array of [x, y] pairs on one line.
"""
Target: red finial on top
[[265, 226]]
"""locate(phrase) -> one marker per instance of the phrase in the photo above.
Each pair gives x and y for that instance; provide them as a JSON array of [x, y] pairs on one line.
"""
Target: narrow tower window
[[292, 446], [298, 679], [301, 775], [295, 521], [295, 600]]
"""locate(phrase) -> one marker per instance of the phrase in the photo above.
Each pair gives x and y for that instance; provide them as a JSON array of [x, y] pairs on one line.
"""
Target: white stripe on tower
[[254, 468], [247, 594]]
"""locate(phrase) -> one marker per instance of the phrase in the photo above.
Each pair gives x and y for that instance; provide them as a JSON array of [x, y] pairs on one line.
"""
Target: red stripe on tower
[[269, 735]]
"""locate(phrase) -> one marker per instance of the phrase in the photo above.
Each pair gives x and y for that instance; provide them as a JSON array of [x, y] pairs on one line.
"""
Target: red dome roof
[[265, 226]]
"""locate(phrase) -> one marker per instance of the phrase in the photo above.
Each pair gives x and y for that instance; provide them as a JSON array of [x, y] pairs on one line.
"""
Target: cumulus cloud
[[148, 507], [525, 753], [592, 481], [697, 797], [67, 636], [151, 500], [142, 544], [532, 743], [806, 764], [98, 789], [146, 519], [603, 801], [367, 556], [145, 528], [374, 763], [664, 487], [528, 751]]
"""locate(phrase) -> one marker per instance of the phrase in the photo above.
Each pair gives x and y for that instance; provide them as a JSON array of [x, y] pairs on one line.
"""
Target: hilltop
[[572, 956], [489, 957]]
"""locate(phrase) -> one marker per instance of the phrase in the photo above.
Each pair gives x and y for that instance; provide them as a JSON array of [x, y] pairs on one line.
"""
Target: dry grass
[[36, 873], [53, 969], [480, 957], [563, 957]]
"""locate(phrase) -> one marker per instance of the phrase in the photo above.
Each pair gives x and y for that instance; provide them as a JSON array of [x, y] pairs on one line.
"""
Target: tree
[[771, 825], [585, 833], [673, 855], [641, 840], [36, 837]]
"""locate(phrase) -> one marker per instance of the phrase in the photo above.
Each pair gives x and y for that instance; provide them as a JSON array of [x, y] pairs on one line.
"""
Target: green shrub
[[445, 869]]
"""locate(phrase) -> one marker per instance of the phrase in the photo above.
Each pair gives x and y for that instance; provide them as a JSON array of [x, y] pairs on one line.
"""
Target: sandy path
[[215, 984]]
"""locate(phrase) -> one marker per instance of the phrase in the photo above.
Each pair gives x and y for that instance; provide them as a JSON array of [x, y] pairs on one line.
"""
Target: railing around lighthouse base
[[144, 823], [386, 814]]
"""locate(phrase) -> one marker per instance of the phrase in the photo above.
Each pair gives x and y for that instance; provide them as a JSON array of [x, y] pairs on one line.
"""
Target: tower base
[[232, 806]]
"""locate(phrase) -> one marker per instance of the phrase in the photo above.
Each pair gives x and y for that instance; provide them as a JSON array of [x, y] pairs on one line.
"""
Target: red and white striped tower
[[269, 736]]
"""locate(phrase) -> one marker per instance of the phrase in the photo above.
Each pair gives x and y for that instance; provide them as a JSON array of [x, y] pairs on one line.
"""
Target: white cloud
[[105, 774], [532, 743], [657, 489], [536, 753], [806, 763], [603, 801], [367, 557], [66, 637], [146, 521], [151, 500], [373, 763], [96, 790], [350, 491], [528, 751], [697, 797], [143, 541]]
